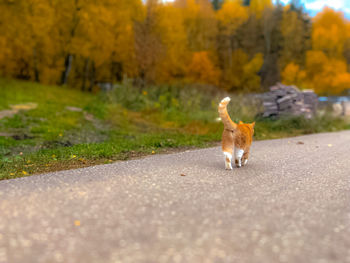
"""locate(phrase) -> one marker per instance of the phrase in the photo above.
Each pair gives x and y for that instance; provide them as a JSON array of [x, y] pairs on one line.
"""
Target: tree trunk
[[67, 67], [92, 76], [86, 73], [36, 71]]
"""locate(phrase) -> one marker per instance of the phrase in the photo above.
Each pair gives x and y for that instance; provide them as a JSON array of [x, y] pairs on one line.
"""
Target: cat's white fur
[[238, 156], [228, 165]]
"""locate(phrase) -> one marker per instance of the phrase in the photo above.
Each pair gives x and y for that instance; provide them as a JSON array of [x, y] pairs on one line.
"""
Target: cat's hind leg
[[238, 156], [228, 160], [227, 147]]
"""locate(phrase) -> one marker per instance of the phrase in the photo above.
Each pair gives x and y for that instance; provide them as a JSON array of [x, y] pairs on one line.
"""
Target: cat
[[235, 136]]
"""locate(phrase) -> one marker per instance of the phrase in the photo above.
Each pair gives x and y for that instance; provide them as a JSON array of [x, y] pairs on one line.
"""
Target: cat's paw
[[228, 166], [238, 163]]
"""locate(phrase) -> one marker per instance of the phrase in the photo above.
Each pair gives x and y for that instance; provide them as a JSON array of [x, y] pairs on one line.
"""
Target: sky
[[314, 6]]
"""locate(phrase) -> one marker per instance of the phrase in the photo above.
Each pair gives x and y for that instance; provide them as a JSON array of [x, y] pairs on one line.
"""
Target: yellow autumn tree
[[126, 14], [175, 58], [9, 65], [326, 75], [29, 39], [243, 74], [251, 80], [200, 24], [257, 7], [293, 75], [326, 67], [329, 32], [295, 38], [232, 15], [202, 69]]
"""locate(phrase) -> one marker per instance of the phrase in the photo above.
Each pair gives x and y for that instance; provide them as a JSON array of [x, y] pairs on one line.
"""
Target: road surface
[[290, 204]]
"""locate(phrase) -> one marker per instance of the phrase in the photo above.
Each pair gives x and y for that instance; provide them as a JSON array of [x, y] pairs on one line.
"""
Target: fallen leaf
[[82, 160], [24, 172], [330, 145], [26, 106], [183, 174], [300, 142], [77, 222], [153, 152]]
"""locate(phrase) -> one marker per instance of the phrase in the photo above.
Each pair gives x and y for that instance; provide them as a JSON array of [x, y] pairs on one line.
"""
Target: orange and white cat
[[237, 137]]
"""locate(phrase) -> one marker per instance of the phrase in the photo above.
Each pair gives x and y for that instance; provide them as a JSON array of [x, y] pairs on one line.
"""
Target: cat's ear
[[240, 122], [253, 124]]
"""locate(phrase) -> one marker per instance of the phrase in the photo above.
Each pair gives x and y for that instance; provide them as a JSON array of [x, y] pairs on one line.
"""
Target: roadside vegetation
[[70, 129]]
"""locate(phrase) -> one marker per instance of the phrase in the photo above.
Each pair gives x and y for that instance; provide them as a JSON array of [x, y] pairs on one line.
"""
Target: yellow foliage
[[326, 75], [329, 32], [294, 39], [162, 42], [173, 63], [341, 82], [251, 79], [200, 23], [257, 7], [202, 70], [293, 75], [232, 14], [242, 74]]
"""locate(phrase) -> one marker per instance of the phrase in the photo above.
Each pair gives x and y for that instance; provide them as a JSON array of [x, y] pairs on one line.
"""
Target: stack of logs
[[289, 100]]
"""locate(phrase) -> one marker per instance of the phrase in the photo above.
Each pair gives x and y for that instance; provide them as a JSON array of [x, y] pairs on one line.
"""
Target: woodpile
[[284, 100], [345, 108]]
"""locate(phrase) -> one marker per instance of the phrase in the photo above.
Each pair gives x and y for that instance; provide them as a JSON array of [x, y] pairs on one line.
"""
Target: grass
[[71, 129]]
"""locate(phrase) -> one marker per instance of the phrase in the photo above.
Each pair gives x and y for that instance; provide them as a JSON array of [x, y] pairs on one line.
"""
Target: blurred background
[[87, 81]]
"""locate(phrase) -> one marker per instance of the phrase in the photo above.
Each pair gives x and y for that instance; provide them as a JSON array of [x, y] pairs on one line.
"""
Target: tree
[[230, 17], [217, 4], [326, 75], [328, 34], [175, 58], [257, 7], [149, 47], [243, 74], [293, 75], [202, 70], [271, 19], [200, 23], [295, 41]]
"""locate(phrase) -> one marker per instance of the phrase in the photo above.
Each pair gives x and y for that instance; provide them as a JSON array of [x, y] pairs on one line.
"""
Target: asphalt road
[[290, 204]]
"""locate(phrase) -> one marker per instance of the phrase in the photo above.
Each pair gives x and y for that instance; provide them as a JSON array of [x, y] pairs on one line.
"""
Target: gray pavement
[[291, 203]]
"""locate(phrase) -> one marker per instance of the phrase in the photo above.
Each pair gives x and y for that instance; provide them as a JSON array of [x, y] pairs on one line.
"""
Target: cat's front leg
[[245, 157], [238, 157]]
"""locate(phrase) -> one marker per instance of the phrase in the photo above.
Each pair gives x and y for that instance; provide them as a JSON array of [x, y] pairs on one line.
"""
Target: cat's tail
[[228, 123]]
